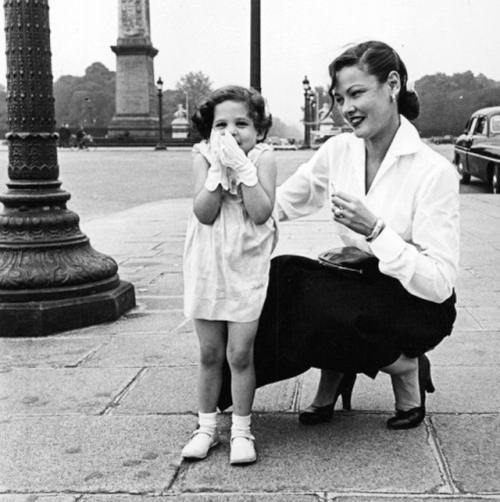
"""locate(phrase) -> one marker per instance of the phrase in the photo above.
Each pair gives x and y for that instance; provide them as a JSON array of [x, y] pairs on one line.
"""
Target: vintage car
[[477, 149]]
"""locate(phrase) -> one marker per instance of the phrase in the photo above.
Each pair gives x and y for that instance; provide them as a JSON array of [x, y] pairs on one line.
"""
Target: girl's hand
[[234, 157], [214, 174], [351, 212]]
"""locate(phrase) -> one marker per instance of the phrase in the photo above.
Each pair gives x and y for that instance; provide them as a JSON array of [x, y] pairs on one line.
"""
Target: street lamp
[[159, 86], [307, 88], [313, 114]]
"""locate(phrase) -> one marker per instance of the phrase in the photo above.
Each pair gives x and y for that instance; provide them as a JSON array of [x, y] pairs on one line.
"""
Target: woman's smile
[[364, 102]]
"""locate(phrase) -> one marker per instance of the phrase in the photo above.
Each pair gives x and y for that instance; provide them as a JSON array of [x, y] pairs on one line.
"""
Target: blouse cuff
[[388, 245]]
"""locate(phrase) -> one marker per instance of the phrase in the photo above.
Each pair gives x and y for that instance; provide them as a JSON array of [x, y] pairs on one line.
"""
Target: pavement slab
[[147, 350], [211, 497], [53, 352], [61, 391], [351, 453], [91, 454], [38, 497], [162, 391], [141, 322], [471, 446], [468, 348]]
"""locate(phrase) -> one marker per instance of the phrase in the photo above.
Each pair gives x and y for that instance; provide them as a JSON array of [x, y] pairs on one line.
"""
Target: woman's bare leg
[[405, 384], [327, 388]]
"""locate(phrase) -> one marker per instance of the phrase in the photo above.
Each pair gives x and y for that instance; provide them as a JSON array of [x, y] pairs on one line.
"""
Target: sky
[[298, 38]]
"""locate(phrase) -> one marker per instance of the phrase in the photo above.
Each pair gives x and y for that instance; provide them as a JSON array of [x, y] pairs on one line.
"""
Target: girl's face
[[365, 103], [232, 117]]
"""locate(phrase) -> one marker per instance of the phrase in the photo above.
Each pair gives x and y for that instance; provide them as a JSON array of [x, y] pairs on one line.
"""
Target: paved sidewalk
[[101, 413]]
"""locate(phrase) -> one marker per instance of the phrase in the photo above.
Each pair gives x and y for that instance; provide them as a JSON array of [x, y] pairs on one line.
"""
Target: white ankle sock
[[207, 422], [240, 425]]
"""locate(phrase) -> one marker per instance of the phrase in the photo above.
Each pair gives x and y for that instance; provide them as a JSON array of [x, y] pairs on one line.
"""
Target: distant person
[[81, 136], [64, 135], [230, 237], [395, 202]]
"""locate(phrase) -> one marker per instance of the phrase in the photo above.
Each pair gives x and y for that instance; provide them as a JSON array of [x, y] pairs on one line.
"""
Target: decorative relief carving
[[33, 157], [134, 18], [54, 267], [40, 227]]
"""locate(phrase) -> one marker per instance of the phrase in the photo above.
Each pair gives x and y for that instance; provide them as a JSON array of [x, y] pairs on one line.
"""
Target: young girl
[[230, 237]]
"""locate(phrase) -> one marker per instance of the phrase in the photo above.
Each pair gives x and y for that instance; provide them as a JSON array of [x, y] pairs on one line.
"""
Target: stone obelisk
[[136, 113]]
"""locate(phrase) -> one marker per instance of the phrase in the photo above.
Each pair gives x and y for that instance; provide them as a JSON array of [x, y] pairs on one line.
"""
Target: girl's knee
[[239, 360], [211, 356]]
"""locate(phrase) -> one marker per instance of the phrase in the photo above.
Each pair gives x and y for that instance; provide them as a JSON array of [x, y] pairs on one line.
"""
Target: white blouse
[[415, 192]]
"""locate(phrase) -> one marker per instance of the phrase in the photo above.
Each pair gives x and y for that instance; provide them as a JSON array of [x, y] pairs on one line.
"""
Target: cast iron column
[[255, 46], [51, 279]]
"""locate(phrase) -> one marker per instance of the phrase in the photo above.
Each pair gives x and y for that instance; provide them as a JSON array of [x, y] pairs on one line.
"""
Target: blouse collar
[[406, 142]]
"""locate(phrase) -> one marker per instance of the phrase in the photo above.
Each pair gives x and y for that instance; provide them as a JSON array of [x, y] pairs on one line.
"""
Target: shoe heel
[[429, 388], [345, 389], [424, 378]]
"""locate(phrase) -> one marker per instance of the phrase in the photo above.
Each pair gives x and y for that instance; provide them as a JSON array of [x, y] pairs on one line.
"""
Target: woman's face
[[233, 117], [365, 103]]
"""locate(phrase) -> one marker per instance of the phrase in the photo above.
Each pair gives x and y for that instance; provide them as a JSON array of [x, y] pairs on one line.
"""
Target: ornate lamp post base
[[51, 279], [51, 316]]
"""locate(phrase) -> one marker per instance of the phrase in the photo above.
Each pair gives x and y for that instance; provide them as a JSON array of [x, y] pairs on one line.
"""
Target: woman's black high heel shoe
[[414, 417], [320, 414]]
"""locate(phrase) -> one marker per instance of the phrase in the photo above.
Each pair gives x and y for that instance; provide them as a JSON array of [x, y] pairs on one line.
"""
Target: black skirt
[[319, 317]]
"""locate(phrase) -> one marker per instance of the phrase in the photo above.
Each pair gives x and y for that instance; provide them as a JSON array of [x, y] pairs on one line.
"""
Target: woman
[[393, 198]]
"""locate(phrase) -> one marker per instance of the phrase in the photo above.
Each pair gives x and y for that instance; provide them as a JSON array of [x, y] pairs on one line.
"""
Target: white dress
[[226, 264]]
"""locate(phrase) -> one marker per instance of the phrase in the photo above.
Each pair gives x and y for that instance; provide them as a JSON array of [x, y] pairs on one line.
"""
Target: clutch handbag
[[349, 260]]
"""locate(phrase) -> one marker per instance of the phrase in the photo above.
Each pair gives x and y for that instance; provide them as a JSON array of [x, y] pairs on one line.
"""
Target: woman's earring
[[393, 97]]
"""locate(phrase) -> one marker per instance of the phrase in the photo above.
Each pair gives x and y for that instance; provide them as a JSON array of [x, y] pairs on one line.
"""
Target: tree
[[194, 86], [448, 101], [87, 100], [283, 130]]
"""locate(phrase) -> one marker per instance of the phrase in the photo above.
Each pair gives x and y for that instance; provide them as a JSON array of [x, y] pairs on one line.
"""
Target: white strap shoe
[[242, 450], [199, 444]]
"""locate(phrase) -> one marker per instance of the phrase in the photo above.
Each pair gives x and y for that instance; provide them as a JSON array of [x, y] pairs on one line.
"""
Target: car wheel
[[495, 182], [464, 177]]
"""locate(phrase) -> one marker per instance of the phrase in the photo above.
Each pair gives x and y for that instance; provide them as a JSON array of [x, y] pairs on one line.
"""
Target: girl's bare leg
[[212, 337], [241, 337], [240, 345]]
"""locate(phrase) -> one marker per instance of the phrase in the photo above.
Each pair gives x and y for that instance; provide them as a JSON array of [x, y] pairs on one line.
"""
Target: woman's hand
[[351, 212]]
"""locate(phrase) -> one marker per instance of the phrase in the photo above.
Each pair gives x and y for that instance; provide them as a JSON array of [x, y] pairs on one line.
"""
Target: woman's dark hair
[[203, 118], [378, 59]]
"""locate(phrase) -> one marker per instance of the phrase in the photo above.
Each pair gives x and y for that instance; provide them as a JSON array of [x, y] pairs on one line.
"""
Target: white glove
[[214, 175], [233, 156]]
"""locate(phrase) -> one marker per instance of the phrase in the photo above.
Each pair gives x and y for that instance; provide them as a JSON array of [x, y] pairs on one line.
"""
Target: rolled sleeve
[[428, 265]]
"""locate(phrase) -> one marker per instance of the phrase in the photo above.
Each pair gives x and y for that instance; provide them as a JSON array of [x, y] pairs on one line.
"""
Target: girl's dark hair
[[203, 118], [378, 59]]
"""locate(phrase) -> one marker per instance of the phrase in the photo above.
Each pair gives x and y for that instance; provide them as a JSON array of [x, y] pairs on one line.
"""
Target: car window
[[472, 126], [481, 126], [495, 124]]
